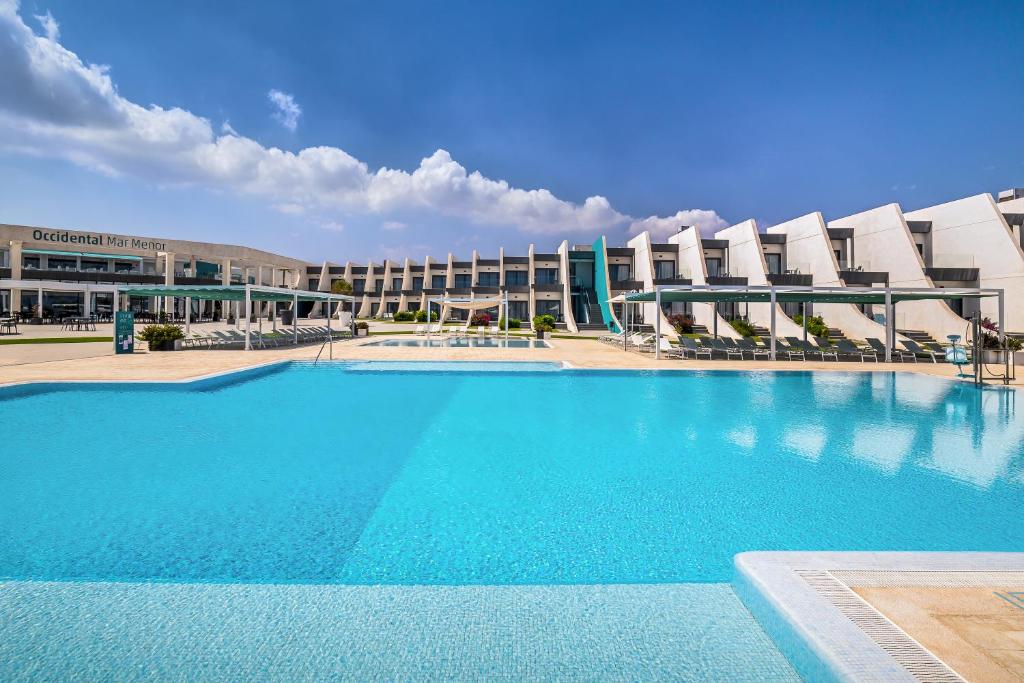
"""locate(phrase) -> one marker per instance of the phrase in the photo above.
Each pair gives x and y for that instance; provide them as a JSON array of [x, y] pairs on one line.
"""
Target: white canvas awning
[[472, 304]]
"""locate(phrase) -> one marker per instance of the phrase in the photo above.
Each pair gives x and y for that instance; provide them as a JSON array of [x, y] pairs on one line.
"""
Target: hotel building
[[971, 242]]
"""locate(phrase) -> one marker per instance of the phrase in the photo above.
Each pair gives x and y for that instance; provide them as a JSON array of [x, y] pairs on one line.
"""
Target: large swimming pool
[[345, 474]]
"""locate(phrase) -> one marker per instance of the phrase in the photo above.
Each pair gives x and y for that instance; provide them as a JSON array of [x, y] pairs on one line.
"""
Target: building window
[[437, 281], [463, 281], [515, 278], [487, 279], [618, 271], [552, 307], [417, 284], [664, 270], [358, 286], [378, 286], [519, 309], [714, 266], [774, 262], [5, 258], [839, 258], [30, 262], [546, 276], [396, 284], [392, 307]]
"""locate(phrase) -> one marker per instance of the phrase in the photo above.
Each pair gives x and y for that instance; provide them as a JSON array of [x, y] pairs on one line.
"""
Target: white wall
[[691, 265], [643, 270], [807, 244], [746, 259], [974, 230], [883, 242]]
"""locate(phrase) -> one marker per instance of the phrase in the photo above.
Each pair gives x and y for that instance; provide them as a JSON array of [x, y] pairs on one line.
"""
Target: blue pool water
[[344, 474]]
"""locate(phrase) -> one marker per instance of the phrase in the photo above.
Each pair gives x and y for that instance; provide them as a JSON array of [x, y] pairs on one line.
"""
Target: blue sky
[[760, 110]]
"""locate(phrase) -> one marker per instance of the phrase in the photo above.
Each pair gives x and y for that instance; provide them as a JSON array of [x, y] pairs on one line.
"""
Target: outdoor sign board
[[124, 332]]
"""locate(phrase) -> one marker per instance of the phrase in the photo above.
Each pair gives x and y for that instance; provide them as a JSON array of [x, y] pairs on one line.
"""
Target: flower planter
[[543, 335], [362, 332], [1018, 357], [993, 356], [168, 345]]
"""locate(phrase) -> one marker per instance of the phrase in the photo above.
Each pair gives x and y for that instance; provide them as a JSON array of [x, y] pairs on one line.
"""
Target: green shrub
[[815, 325], [743, 327], [362, 325], [513, 323], [404, 316], [341, 287], [544, 323], [155, 334], [421, 316]]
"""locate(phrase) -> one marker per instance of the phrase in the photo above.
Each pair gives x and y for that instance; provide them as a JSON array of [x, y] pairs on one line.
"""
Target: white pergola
[[247, 294], [468, 303], [887, 296]]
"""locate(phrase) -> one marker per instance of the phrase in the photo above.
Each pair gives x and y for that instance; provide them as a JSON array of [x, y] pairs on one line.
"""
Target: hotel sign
[[124, 332], [97, 240]]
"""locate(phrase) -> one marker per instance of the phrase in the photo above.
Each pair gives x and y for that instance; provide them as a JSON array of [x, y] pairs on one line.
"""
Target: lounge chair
[[747, 344], [826, 349], [665, 348], [690, 346], [640, 339], [847, 348], [912, 346], [719, 345], [789, 351], [613, 338], [807, 347], [879, 349]]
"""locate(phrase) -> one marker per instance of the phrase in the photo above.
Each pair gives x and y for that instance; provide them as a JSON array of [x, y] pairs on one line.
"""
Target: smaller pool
[[465, 342]]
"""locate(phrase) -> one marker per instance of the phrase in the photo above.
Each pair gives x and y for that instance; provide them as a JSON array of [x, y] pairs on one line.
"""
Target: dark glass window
[[463, 281], [515, 278], [618, 271], [546, 276], [417, 284], [519, 309], [396, 284], [488, 279], [774, 262], [359, 286], [437, 281], [714, 266], [554, 308], [664, 270]]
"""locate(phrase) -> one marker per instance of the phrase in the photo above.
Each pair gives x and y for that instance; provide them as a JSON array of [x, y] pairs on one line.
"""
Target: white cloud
[[54, 104], [393, 225], [332, 226], [287, 110], [50, 26], [661, 228]]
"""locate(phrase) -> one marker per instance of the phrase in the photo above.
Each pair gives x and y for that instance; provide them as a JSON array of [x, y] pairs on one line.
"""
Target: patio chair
[[748, 344], [9, 326], [913, 347], [847, 348], [826, 349], [719, 346], [879, 349], [790, 351], [689, 345], [420, 330], [807, 347]]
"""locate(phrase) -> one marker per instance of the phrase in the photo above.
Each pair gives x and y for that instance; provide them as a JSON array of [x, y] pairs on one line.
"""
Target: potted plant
[[544, 325], [1016, 347], [287, 316], [992, 351], [480, 320], [162, 337], [362, 328]]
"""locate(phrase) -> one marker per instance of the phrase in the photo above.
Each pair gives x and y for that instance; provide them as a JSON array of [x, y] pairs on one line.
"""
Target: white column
[[188, 315], [657, 324], [248, 317], [889, 325], [330, 335], [295, 319], [772, 315]]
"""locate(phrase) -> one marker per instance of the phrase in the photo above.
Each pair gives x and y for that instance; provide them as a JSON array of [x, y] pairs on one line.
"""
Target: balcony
[[458, 291], [790, 279], [183, 280], [726, 280], [714, 244], [517, 289], [665, 248], [772, 237], [953, 274], [864, 278], [548, 287], [545, 257], [626, 285], [485, 290], [412, 292], [519, 260], [5, 273], [673, 281]]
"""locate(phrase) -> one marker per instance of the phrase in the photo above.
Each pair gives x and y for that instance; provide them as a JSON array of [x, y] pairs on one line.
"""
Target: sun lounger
[[847, 348], [747, 345], [913, 347], [719, 346], [879, 349], [808, 348], [690, 346], [789, 351], [826, 348]]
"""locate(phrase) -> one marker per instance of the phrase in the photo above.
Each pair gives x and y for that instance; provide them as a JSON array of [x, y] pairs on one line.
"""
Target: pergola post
[[714, 321], [506, 315], [1002, 315], [188, 315], [625, 319], [804, 316], [657, 324], [295, 319], [248, 317], [889, 325], [771, 332], [330, 334], [114, 308]]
